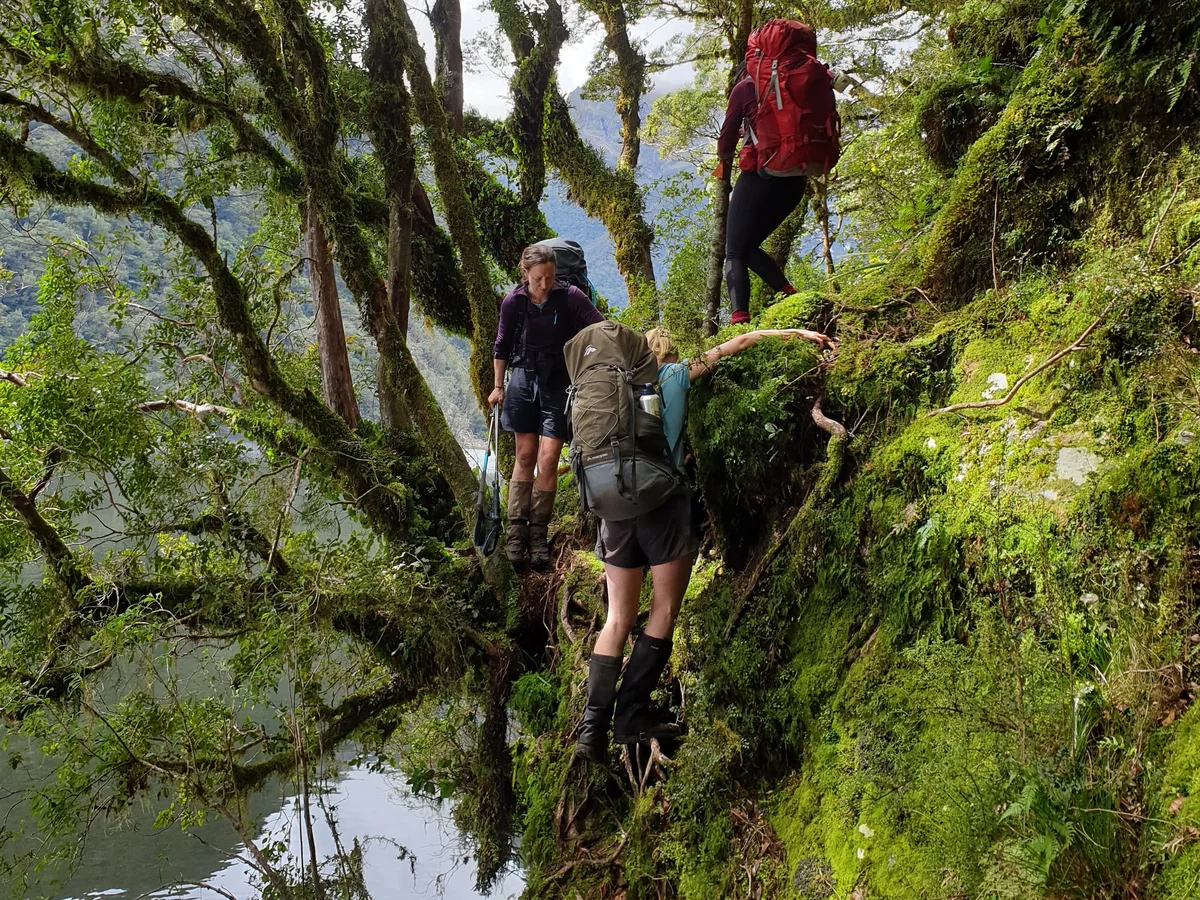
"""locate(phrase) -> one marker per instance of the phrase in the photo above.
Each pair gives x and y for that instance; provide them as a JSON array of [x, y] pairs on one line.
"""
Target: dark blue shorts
[[536, 403]]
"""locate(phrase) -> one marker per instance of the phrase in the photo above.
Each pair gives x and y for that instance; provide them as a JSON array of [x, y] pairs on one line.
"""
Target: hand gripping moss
[[487, 508]]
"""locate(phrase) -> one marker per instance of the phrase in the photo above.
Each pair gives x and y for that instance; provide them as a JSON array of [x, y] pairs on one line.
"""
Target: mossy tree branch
[[457, 205], [365, 479], [631, 75], [62, 562], [311, 129], [612, 196], [536, 38]]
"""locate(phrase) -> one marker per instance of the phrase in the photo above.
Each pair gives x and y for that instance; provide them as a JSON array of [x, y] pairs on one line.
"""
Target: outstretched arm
[[709, 359]]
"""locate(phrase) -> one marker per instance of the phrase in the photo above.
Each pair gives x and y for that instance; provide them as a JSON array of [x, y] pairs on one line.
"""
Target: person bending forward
[[664, 540]]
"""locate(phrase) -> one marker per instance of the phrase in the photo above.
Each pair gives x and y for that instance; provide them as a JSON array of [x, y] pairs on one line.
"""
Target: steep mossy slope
[[952, 656]]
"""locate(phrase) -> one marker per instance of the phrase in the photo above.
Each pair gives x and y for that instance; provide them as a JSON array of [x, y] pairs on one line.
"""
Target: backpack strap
[[632, 431], [518, 352]]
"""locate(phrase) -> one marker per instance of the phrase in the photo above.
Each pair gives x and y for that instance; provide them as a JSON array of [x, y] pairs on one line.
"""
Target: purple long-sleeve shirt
[[566, 312], [742, 105]]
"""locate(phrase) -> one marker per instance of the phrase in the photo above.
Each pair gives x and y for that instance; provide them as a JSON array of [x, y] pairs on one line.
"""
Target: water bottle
[[650, 401]]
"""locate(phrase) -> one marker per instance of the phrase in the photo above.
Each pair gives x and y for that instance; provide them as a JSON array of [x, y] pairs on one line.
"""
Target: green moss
[[1176, 808]]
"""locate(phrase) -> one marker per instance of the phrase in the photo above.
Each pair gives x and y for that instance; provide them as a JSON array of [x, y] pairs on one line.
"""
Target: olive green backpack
[[619, 452]]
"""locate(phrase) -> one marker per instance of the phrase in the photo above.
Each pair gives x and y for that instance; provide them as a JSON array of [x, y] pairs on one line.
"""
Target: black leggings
[[759, 205]]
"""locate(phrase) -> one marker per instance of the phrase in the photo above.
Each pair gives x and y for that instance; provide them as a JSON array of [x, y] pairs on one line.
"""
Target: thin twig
[[1073, 347]]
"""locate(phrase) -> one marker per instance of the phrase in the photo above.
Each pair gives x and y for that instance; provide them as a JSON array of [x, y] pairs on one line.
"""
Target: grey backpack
[[570, 265], [619, 452]]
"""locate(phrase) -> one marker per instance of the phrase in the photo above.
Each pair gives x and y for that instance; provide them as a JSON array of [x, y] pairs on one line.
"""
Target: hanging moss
[[507, 223], [439, 289], [612, 196]]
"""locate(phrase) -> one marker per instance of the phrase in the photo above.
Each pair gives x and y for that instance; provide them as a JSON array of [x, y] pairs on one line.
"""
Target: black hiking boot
[[633, 723], [603, 672]]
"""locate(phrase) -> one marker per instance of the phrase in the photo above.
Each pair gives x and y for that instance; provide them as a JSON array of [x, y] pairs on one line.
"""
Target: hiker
[[784, 98], [663, 539], [537, 319]]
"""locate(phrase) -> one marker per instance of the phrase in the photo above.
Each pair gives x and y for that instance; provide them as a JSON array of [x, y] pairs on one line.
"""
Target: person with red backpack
[[785, 101]]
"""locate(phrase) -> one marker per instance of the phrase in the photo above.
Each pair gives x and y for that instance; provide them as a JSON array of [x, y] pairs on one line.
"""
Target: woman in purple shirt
[[537, 319]]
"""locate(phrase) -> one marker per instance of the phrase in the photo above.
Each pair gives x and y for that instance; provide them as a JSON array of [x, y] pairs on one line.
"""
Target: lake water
[[411, 846]]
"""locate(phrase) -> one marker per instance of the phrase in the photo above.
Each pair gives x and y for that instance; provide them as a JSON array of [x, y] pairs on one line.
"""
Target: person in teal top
[[675, 377], [664, 540]]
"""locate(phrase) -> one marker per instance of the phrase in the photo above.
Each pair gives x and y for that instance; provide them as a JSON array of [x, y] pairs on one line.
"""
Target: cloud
[[487, 91]]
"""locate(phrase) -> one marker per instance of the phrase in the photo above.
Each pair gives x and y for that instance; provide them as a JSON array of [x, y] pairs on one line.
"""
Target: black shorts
[[536, 403], [657, 537]]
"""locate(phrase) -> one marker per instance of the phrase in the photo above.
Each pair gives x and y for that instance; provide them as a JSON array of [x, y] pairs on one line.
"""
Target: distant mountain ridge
[[599, 125]]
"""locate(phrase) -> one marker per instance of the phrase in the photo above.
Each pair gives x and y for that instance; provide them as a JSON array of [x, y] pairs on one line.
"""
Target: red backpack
[[796, 128]]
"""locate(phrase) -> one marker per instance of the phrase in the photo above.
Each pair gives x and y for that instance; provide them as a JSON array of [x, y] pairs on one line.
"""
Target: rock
[[1185, 437], [1049, 494], [997, 385], [1089, 599], [1076, 464], [866, 831], [814, 878], [931, 444]]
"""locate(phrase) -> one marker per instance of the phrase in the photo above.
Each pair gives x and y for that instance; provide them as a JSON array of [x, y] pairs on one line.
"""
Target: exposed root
[[591, 861], [656, 765], [1073, 347], [573, 798], [755, 843]]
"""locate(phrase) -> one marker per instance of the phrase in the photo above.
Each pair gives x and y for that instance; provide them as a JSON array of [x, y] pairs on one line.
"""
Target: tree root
[[1073, 347], [591, 861], [657, 764]]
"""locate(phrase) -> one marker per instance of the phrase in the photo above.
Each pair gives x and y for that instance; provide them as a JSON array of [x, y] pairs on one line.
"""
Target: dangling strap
[[774, 84], [633, 436], [617, 462]]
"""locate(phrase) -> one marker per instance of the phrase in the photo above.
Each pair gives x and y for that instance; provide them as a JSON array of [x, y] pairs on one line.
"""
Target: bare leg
[[670, 582], [548, 452], [527, 453], [624, 588]]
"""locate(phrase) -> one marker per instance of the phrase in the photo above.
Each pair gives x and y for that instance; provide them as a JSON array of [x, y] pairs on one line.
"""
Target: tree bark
[[337, 384], [446, 19], [716, 255], [400, 232], [737, 38], [821, 205], [780, 244]]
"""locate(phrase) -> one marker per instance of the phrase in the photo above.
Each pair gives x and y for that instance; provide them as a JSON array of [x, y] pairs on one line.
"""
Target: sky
[[487, 91]]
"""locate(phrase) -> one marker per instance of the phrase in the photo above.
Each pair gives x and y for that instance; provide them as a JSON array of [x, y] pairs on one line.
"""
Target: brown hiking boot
[[516, 547], [540, 511]]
